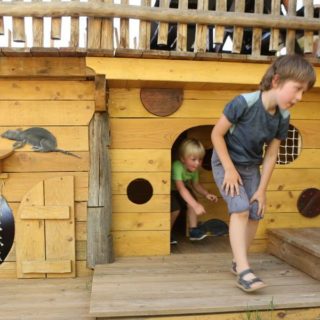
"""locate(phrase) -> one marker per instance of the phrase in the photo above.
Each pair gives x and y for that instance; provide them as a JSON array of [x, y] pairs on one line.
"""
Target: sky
[[133, 26]]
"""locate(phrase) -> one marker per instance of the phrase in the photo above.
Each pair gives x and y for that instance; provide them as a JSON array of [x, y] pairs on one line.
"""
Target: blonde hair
[[289, 67], [191, 147]]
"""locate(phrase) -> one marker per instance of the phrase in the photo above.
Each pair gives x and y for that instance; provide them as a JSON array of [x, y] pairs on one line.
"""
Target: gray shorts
[[250, 176]]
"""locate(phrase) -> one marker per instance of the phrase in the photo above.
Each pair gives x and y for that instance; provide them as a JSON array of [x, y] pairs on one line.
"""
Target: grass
[[256, 315]]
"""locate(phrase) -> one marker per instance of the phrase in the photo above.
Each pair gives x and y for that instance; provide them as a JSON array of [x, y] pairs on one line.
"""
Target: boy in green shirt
[[185, 175]]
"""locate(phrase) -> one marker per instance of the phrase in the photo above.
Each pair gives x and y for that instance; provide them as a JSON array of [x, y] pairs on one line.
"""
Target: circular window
[[309, 202], [290, 148], [139, 191]]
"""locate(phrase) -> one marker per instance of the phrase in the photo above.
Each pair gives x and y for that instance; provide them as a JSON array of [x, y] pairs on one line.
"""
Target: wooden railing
[[160, 27]]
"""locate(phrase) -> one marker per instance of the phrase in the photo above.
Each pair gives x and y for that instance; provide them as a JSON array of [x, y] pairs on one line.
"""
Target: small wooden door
[[45, 230]]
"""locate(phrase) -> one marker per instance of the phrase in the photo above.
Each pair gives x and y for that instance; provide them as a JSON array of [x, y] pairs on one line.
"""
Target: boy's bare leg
[[239, 230], [192, 216], [252, 227], [174, 216]]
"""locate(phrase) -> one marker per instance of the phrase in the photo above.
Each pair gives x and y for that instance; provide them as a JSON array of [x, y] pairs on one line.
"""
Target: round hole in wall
[[139, 191], [309, 202]]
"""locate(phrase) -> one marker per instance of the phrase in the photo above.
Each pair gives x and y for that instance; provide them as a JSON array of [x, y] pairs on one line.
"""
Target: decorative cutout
[[139, 191], [309, 202], [290, 148], [161, 102]]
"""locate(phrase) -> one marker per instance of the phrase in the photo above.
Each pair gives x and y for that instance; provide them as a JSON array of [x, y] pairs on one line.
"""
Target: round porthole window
[[309, 202], [139, 191]]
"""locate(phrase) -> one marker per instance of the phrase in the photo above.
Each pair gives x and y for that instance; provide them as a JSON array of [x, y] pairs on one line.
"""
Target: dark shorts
[[250, 176], [177, 202]]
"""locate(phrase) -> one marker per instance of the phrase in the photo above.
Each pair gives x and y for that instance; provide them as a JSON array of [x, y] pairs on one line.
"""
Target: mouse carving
[[40, 139]]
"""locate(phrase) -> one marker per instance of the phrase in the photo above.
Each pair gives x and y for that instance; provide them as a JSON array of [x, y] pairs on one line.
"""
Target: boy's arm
[[188, 198], [268, 165], [232, 178], [200, 188]]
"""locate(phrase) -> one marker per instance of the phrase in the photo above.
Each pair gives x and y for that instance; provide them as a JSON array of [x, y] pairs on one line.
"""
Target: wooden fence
[[101, 27]]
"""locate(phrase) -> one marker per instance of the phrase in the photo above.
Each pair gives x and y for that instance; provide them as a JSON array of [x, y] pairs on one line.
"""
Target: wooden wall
[[63, 101], [141, 148]]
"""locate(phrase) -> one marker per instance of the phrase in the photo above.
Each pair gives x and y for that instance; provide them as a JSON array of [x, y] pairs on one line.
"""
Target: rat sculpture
[[40, 139]]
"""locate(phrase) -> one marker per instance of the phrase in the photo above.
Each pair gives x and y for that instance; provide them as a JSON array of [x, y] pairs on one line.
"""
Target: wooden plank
[[94, 31], [291, 34], [182, 30], [60, 234], [221, 6], [238, 31], [160, 181], [74, 32], [293, 255], [140, 221], [124, 29], [37, 30], [158, 203], [50, 161], [200, 44], [141, 243], [100, 92], [308, 35], [30, 235], [150, 160], [275, 34], [46, 66], [18, 27], [46, 90], [54, 113], [107, 31], [20, 183], [99, 245], [145, 29], [56, 27], [181, 71], [73, 138], [163, 27], [257, 32], [45, 212], [155, 134], [58, 267]]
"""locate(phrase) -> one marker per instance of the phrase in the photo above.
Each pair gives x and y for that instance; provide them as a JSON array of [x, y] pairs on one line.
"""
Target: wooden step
[[298, 247]]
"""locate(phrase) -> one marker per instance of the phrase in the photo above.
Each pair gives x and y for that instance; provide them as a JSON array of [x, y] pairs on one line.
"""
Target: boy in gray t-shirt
[[249, 122]]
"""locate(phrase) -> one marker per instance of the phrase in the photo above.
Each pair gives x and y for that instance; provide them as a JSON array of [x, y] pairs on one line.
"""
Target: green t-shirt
[[180, 173]]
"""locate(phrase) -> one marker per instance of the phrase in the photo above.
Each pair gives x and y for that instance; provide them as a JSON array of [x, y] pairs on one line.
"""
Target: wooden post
[[99, 238], [107, 32], [163, 26], [56, 27], [18, 27], [291, 34], [201, 30], [308, 35], [94, 31], [257, 32], [124, 29], [274, 37], [145, 29], [74, 32], [37, 27], [238, 31], [221, 6], [182, 29]]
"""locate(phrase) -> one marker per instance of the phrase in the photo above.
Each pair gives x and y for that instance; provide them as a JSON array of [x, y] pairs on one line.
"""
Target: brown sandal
[[246, 285]]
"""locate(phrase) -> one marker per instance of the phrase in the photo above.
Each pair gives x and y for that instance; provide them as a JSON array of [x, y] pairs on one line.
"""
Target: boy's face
[[192, 163], [289, 93]]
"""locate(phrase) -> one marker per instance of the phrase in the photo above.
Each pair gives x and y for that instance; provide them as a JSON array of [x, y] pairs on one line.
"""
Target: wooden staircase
[[298, 247]]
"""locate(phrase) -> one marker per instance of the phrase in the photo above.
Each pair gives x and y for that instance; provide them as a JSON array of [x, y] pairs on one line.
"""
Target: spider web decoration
[[290, 148]]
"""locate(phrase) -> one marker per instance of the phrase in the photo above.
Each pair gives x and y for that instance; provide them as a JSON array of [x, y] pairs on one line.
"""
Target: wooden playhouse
[[122, 109]]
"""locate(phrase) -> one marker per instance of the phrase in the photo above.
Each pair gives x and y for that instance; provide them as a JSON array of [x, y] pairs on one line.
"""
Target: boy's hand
[[211, 197], [199, 209], [260, 197], [231, 182]]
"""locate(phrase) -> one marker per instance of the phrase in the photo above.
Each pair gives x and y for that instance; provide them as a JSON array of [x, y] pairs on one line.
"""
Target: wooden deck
[[195, 284]]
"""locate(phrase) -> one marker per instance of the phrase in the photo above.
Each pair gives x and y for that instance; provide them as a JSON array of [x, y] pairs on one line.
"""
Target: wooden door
[[45, 230]]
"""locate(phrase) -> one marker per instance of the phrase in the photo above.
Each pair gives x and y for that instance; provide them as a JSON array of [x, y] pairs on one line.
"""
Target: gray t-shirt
[[252, 127]]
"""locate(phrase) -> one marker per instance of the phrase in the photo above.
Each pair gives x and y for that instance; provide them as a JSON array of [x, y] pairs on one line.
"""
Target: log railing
[[174, 27]]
